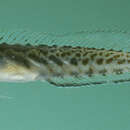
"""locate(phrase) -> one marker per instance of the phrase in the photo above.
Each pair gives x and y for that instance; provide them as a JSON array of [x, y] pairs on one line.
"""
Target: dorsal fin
[[108, 39]]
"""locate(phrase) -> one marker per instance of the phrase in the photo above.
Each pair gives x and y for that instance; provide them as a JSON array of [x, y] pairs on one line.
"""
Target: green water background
[[41, 106]]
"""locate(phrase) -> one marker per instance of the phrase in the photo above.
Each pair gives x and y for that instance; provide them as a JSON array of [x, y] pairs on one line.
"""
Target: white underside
[[17, 77]]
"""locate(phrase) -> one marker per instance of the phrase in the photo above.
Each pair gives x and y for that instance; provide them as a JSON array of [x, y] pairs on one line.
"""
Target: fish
[[63, 65]]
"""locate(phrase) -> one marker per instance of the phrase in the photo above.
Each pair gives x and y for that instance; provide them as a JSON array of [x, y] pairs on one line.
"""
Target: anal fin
[[78, 82]]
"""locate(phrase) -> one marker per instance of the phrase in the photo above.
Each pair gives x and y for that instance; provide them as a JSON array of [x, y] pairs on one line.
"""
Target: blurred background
[[41, 106]]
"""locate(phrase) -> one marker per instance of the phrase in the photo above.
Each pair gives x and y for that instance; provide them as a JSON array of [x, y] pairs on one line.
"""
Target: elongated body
[[43, 62]]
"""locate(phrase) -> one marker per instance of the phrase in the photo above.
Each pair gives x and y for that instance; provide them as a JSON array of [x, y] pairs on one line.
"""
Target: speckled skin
[[59, 61]]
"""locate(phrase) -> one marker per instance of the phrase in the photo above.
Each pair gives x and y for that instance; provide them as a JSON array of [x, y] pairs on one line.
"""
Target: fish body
[[68, 59], [20, 63]]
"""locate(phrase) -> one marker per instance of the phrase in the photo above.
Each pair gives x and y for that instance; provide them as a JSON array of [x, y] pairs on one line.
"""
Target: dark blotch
[[21, 60], [107, 55], [73, 61], [63, 54], [44, 52], [57, 54], [116, 56], [68, 53], [99, 61], [128, 61], [18, 58], [78, 54], [108, 61], [37, 58], [56, 60], [100, 53], [121, 61], [93, 56], [85, 61]]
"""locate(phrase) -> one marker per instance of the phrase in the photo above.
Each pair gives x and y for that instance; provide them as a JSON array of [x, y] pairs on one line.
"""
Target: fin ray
[[88, 81], [92, 38]]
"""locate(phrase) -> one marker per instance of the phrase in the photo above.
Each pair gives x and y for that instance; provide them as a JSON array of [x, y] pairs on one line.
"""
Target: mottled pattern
[[66, 60]]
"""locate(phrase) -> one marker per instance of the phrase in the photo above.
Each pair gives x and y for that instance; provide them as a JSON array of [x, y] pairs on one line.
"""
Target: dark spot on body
[[99, 61], [128, 61], [100, 53], [21, 60], [116, 56], [18, 58], [57, 54], [93, 56], [44, 52], [55, 60], [121, 61], [36, 58], [68, 53], [78, 54], [63, 54], [43, 60], [107, 55], [85, 61], [74, 61], [108, 61]]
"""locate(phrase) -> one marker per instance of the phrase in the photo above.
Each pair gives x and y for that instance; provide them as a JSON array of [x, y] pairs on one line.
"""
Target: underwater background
[[42, 106]]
